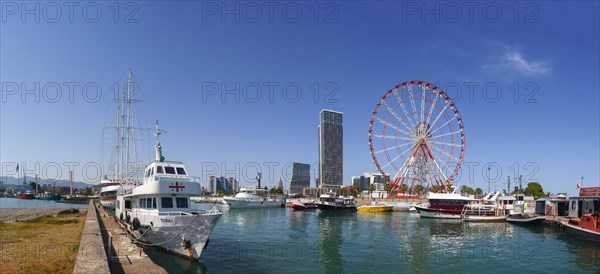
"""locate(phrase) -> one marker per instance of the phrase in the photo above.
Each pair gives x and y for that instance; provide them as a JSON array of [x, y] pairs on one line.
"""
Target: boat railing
[[174, 213], [213, 210]]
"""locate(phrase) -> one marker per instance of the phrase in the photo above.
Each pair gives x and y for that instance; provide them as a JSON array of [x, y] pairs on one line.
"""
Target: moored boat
[[525, 218], [587, 227], [443, 205], [489, 209], [300, 205], [333, 202], [27, 195], [253, 197], [158, 212], [375, 208]]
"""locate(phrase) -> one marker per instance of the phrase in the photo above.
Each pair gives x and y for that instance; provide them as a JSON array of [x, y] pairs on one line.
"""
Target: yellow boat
[[375, 208]]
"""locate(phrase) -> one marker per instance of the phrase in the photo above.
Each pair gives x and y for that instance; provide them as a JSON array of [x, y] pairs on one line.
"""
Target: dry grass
[[44, 245]]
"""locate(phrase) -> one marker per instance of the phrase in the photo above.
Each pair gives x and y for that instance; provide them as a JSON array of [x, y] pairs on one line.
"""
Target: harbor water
[[280, 240]]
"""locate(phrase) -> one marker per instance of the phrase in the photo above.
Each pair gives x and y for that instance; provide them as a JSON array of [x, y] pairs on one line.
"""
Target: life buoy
[[135, 224]]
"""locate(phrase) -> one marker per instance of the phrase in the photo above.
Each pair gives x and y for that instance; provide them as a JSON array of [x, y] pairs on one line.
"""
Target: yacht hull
[[581, 233], [425, 212], [326, 207], [185, 236], [241, 203], [526, 220]]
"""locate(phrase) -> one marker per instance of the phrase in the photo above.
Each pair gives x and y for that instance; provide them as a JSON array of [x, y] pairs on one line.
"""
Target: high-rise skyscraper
[[300, 177], [331, 148]]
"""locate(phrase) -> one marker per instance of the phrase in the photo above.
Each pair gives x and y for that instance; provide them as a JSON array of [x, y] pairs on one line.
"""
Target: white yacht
[[254, 197], [158, 211]]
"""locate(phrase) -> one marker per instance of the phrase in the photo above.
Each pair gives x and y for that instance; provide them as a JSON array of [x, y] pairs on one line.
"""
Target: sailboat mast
[[117, 138], [128, 124]]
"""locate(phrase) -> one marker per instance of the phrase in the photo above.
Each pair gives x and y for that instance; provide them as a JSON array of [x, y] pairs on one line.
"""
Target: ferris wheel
[[416, 136]]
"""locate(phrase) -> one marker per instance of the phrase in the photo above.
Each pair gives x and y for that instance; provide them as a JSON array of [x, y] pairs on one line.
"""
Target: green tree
[[403, 188], [355, 189], [387, 187], [343, 191], [371, 188], [32, 185], [275, 191], [534, 189], [434, 189], [467, 190], [418, 189], [478, 191], [449, 188]]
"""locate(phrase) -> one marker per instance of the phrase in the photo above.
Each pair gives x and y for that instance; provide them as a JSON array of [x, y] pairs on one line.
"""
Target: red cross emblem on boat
[[177, 186]]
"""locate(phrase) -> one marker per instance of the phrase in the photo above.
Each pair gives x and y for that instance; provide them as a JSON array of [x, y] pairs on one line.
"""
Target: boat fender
[[127, 218], [121, 216], [136, 223]]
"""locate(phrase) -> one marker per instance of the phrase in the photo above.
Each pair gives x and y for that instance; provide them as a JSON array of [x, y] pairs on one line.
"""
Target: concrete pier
[[91, 257], [124, 256]]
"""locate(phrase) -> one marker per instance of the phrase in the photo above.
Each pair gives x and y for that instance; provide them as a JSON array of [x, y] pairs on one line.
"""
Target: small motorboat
[[587, 227], [304, 205], [375, 208]]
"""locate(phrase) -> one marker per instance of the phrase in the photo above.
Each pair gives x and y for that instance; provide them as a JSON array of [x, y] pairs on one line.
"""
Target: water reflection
[[174, 264], [331, 240]]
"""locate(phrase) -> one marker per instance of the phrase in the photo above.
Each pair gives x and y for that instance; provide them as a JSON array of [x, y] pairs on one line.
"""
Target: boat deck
[[124, 256]]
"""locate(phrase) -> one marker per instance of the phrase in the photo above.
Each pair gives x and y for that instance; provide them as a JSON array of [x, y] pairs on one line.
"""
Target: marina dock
[[123, 255]]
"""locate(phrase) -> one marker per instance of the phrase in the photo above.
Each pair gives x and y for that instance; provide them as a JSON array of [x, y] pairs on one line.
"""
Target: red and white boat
[[443, 205], [300, 205], [27, 195], [587, 227]]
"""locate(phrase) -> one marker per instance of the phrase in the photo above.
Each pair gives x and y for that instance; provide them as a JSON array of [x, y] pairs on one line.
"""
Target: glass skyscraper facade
[[300, 177], [331, 148]]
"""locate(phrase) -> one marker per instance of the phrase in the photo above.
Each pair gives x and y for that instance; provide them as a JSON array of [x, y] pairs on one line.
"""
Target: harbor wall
[[91, 257]]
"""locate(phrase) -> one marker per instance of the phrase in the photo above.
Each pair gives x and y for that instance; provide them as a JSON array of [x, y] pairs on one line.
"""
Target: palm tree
[[478, 191], [434, 188], [419, 188], [403, 188], [387, 187], [343, 191], [371, 188], [355, 189]]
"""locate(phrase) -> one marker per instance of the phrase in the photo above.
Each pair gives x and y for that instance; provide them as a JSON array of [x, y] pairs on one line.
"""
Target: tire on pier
[[135, 224], [121, 217], [127, 218]]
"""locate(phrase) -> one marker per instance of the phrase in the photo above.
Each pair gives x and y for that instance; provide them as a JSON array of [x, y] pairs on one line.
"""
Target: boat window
[[151, 171], [169, 170], [140, 201], [147, 172], [159, 170], [153, 202], [148, 202], [166, 202], [451, 202], [182, 202], [127, 204], [181, 171]]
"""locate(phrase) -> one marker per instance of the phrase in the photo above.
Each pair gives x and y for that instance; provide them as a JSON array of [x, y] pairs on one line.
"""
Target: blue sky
[[355, 51]]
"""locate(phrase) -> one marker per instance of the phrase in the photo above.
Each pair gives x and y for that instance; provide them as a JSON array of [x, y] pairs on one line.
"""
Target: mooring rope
[[136, 240]]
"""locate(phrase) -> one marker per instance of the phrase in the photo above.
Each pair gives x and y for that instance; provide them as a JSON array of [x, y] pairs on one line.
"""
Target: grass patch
[[44, 245]]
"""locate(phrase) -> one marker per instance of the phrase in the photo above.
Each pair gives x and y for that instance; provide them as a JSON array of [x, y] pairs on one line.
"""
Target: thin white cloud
[[515, 61]]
